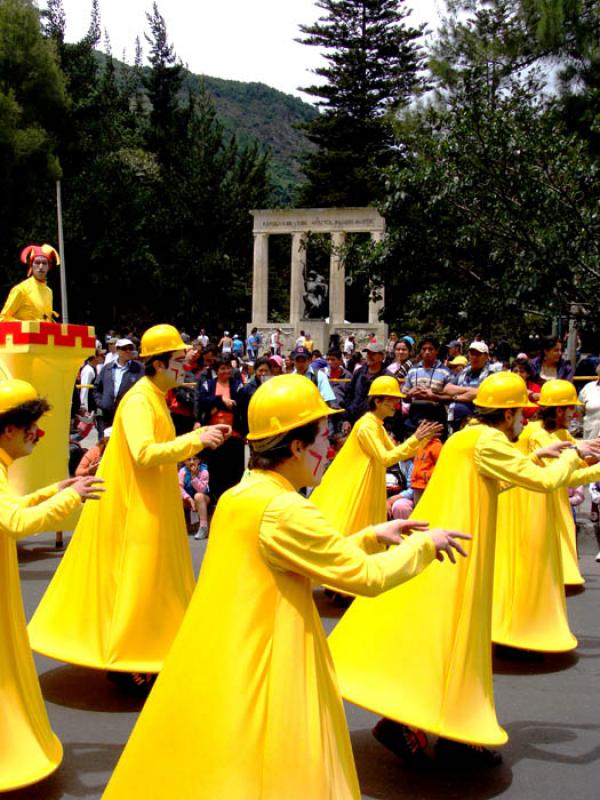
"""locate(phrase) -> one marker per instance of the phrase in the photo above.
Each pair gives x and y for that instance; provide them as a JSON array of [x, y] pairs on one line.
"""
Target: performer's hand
[[89, 487], [390, 532], [589, 449], [212, 436], [428, 429], [552, 450], [65, 484], [446, 542], [225, 430]]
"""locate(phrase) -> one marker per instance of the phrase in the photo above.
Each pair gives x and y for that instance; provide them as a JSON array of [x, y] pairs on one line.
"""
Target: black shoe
[[407, 743], [458, 754], [137, 683]]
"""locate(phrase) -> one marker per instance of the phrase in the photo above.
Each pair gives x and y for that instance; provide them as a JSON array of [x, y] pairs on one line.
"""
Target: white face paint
[[518, 423], [175, 369]]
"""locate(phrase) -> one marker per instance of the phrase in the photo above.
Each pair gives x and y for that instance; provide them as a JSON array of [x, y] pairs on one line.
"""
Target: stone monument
[[316, 304]]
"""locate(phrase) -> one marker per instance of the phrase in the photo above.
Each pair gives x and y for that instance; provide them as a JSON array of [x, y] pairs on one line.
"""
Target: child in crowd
[[90, 461], [193, 483]]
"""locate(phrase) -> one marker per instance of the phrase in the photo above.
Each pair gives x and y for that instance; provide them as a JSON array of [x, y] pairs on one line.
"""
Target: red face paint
[[318, 458]]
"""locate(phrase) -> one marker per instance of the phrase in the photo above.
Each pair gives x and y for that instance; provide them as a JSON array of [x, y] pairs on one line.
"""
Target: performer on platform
[[352, 493], [421, 654], [32, 298], [29, 750], [122, 588], [529, 609], [247, 707]]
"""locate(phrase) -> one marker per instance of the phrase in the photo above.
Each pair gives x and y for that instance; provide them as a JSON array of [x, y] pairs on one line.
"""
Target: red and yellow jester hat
[[33, 250]]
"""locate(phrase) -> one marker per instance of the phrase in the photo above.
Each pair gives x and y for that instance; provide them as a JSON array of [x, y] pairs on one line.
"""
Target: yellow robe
[[247, 706], [421, 654], [29, 300], [28, 749], [561, 508], [352, 493], [122, 588], [529, 609]]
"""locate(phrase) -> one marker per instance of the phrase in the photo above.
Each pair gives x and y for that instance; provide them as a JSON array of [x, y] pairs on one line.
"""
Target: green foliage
[[373, 71], [32, 100], [492, 204]]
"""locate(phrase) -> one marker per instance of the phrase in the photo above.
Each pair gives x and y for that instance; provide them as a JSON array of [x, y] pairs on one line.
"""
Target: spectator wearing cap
[[276, 364], [424, 384], [114, 382], [454, 349], [302, 365], [363, 377], [111, 351], [457, 364], [465, 385]]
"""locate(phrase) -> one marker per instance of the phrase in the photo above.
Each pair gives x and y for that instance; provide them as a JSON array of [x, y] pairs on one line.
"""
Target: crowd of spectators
[[221, 373]]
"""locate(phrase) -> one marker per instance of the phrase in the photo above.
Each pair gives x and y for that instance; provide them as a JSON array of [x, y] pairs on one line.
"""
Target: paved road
[[550, 709]]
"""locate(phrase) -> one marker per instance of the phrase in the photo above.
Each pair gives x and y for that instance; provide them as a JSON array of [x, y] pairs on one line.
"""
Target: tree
[[373, 71], [32, 100], [492, 209]]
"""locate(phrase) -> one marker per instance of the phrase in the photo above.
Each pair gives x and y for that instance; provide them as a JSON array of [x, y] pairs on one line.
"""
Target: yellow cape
[[29, 751], [352, 493], [122, 588], [529, 608], [247, 706], [29, 300], [421, 654]]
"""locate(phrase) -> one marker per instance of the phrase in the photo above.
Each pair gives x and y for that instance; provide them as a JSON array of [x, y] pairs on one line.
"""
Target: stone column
[[297, 277], [337, 281], [376, 305], [260, 279]]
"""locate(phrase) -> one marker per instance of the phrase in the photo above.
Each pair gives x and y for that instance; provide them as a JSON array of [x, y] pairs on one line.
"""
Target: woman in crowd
[[217, 402], [401, 363], [551, 364]]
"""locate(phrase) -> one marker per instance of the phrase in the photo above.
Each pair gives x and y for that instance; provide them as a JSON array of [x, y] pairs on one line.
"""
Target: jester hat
[[33, 250]]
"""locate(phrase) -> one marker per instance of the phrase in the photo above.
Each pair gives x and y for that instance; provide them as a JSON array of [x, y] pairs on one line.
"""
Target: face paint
[[176, 370], [518, 424], [317, 452]]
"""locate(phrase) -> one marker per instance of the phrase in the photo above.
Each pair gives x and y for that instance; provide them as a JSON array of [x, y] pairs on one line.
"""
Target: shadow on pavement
[[86, 689], [79, 760], [522, 662], [383, 777], [27, 555], [534, 739]]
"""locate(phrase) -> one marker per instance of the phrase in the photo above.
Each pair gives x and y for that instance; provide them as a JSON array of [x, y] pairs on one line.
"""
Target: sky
[[245, 40]]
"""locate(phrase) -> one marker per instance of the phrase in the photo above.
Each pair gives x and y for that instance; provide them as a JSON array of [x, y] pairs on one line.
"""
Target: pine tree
[[373, 69]]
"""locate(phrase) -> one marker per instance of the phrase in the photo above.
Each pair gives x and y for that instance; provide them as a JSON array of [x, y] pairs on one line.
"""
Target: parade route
[[549, 708]]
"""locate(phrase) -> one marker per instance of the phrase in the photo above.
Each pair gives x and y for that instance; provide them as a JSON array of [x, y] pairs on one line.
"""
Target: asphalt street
[[550, 708]]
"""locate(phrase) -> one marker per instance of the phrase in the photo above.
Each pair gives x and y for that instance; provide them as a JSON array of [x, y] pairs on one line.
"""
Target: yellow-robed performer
[[29, 750], [553, 431], [32, 298], [259, 716], [352, 493], [122, 588], [421, 654], [529, 608]]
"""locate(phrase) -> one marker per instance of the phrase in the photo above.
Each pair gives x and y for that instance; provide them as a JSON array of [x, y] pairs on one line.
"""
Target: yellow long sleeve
[[12, 304], [32, 499], [138, 424], [372, 441], [497, 458], [295, 536], [18, 522]]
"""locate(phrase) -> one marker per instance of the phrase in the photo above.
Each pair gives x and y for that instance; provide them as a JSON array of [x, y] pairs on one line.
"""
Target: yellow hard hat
[[14, 392], [161, 339], [503, 390], [558, 393], [385, 386], [283, 403]]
